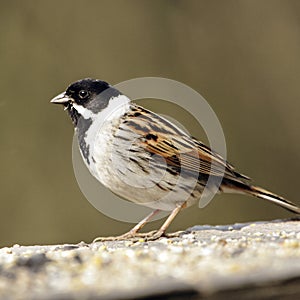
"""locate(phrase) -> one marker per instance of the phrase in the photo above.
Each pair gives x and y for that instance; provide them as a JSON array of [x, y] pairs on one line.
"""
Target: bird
[[145, 158]]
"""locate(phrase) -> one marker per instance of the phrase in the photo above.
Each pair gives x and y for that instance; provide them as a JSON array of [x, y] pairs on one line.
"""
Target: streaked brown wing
[[177, 148]]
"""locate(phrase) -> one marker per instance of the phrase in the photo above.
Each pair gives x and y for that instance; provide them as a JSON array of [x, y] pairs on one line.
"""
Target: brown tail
[[229, 185]]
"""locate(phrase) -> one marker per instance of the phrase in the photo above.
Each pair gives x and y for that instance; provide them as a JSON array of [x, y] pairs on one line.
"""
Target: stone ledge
[[258, 260]]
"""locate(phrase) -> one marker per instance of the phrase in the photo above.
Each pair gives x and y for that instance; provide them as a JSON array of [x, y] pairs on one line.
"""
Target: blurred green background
[[241, 55]]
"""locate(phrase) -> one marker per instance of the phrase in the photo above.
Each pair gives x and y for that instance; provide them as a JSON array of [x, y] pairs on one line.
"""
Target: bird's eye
[[83, 94]]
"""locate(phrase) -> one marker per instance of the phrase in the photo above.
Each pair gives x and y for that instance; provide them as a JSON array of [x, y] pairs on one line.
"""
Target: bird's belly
[[165, 193], [123, 166]]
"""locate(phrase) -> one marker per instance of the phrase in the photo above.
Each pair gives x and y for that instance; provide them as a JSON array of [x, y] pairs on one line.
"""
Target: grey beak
[[61, 99]]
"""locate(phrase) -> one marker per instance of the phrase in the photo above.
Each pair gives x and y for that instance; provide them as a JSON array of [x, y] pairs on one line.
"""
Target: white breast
[[100, 135]]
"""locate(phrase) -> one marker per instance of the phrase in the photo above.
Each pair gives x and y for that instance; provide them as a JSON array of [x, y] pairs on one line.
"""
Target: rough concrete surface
[[243, 261]]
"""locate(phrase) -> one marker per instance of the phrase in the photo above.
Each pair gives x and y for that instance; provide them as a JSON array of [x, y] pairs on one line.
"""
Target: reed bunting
[[146, 159]]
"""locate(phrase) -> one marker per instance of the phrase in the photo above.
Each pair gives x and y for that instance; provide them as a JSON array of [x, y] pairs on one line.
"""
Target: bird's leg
[[131, 233], [157, 234], [134, 231]]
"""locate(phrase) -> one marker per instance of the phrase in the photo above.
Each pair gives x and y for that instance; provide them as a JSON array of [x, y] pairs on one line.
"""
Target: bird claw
[[135, 237], [131, 236]]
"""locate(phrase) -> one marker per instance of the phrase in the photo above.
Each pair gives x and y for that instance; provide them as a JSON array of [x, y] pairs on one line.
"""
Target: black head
[[90, 94], [85, 90]]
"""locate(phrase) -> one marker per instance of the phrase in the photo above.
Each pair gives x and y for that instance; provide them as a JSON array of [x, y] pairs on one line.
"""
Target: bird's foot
[[135, 236], [131, 236]]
